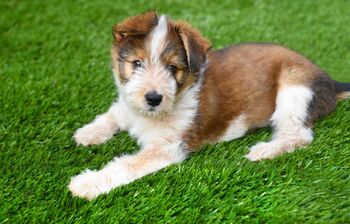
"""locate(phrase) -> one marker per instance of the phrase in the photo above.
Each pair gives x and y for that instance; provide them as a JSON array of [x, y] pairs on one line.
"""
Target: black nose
[[153, 98]]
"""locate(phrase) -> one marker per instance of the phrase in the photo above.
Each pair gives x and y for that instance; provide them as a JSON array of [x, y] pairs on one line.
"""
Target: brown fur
[[129, 35], [195, 45], [124, 54], [135, 26], [245, 79]]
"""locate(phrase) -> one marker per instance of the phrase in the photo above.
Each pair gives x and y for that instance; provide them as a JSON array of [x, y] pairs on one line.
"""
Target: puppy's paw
[[261, 151], [91, 134], [87, 185]]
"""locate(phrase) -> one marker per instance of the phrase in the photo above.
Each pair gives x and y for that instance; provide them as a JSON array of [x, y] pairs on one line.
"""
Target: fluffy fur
[[175, 95]]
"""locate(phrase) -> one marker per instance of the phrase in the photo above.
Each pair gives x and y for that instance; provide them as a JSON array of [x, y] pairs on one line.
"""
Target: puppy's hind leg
[[289, 123], [99, 130]]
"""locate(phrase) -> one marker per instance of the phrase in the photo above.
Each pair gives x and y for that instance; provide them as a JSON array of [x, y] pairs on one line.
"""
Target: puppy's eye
[[136, 64], [172, 69]]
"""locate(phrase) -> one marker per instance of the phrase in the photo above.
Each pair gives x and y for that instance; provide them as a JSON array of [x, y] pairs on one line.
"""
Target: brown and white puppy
[[175, 95]]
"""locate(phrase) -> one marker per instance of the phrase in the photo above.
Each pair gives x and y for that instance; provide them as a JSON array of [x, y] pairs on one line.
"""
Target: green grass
[[55, 76]]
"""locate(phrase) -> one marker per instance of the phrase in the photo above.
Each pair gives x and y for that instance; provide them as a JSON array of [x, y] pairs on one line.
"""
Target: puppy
[[175, 95]]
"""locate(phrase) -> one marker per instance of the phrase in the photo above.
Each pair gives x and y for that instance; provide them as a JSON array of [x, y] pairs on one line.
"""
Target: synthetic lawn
[[55, 77]]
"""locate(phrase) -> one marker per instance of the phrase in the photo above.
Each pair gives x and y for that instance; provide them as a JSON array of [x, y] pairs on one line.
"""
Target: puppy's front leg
[[99, 130], [125, 169]]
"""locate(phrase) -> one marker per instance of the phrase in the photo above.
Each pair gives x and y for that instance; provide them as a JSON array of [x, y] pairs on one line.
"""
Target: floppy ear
[[136, 25], [196, 46]]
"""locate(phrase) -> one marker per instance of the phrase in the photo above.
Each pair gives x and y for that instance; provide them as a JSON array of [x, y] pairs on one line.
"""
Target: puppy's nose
[[153, 98]]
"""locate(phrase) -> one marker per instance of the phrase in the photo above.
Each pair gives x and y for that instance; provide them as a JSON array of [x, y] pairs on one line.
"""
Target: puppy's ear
[[134, 26], [196, 46]]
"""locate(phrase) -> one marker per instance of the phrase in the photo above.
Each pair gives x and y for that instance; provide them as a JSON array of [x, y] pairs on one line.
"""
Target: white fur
[[98, 131], [140, 84], [289, 123], [158, 39], [237, 129], [162, 133]]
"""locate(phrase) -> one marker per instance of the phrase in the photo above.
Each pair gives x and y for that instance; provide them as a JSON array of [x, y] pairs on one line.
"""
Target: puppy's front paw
[[91, 135], [87, 185], [261, 151]]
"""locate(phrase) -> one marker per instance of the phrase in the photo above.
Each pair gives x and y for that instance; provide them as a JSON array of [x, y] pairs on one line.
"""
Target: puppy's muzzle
[[153, 98]]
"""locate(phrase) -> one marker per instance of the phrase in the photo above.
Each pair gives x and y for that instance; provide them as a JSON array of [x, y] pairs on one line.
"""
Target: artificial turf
[[55, 76]]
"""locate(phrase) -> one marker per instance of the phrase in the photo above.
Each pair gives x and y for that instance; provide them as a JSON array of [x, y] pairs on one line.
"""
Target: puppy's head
[[155, 60]]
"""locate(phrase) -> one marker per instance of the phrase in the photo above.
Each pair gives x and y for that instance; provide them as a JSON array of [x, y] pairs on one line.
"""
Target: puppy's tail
[[342, 90]]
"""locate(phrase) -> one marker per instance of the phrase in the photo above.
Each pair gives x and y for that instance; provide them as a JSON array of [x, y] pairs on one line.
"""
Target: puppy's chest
[[157, 131]]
